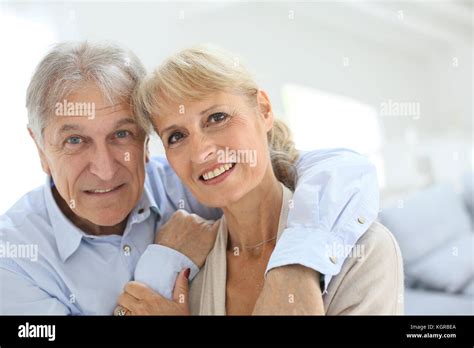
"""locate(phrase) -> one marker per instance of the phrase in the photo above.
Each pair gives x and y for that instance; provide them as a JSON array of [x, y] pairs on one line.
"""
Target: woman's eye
[[122, 134], [74, 140], [217, 117], [175, 137]]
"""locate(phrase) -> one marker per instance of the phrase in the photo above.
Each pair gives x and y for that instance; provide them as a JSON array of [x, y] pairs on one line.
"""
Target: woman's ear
[[44, 162], [265, 109]]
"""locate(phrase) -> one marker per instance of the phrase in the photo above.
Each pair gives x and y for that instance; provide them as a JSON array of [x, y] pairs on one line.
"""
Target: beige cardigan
[[371, 283]]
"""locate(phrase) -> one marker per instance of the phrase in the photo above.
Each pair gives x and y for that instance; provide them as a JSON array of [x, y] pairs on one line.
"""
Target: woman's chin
[[215, 200]]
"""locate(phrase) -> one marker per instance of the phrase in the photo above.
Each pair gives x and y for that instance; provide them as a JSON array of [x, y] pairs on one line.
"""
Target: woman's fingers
[[120, 311], [139, 299], [138, 290], [130, 303], [181, 287]]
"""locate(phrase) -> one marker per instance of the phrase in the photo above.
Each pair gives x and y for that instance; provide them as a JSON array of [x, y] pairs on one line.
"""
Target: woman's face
[[217, 146]]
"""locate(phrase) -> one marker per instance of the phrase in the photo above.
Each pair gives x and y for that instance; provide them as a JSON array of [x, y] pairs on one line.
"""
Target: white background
[[328, 67]]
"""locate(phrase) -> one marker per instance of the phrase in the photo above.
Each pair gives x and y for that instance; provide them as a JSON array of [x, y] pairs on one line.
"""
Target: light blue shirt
[[49, 266]]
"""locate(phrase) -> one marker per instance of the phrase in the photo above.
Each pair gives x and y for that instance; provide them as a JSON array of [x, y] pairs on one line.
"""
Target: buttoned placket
[[128, 247]]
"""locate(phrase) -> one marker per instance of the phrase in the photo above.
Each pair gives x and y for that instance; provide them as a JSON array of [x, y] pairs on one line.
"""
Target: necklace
[[258, 244]]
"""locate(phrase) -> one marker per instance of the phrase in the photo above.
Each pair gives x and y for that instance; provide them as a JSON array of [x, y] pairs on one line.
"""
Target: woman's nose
[[202, 149]]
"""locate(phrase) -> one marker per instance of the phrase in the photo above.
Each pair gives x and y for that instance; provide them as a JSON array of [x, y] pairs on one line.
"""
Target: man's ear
[[44, 162], [147, 149], [265, 109]]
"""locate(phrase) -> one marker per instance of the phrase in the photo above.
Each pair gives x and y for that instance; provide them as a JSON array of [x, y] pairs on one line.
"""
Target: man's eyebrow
[[126, 121], [69, 127], [74, 127]]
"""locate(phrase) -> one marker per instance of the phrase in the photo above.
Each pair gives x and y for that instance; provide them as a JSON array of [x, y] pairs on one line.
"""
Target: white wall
[[305, 43]]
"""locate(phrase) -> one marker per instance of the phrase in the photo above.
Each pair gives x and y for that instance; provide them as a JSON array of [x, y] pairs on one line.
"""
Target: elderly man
[[106, 214]]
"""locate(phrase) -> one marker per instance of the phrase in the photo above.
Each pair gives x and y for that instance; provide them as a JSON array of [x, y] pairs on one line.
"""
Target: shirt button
[[127, 249], [361, 220], [333, 259]]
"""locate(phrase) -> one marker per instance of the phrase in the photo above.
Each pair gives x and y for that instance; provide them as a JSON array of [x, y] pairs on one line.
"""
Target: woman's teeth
[[218, 171]]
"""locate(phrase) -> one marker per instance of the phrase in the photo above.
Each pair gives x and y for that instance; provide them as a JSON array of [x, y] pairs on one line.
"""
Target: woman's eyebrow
[[165, 130], [210, 108], [203, 112]]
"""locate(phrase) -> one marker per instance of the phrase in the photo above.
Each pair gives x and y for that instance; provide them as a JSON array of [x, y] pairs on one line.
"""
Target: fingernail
[[186, 273]]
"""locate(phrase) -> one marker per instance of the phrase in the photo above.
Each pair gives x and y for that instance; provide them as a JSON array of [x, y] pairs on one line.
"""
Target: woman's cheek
[[180, 164]]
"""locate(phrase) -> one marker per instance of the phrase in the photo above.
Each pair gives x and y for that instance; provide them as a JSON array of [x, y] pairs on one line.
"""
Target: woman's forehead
[[188, 105]]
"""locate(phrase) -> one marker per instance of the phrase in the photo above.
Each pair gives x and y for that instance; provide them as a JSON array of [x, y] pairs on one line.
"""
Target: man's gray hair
[[69, 66]]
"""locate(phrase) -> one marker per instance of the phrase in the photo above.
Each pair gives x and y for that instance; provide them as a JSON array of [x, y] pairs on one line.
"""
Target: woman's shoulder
[[376, 248], [371, 277], [379, 240]]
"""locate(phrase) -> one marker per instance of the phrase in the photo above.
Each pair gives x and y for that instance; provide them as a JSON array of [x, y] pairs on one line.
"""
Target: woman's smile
[[217, 174]]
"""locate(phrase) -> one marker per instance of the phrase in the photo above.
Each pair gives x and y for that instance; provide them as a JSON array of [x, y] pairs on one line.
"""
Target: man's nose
[[202, 149], [103, 163]]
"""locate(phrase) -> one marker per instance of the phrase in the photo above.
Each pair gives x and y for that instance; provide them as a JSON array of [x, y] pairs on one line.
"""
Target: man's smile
[[103, 192]]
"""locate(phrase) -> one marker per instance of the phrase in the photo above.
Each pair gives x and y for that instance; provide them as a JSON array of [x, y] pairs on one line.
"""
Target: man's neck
[[85, 225]]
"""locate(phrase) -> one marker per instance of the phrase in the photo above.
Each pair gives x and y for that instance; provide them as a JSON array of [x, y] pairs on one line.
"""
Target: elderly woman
[[213, 118]]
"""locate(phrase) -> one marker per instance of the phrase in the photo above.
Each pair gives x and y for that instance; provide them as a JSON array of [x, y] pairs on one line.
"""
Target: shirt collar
[[68, 236]]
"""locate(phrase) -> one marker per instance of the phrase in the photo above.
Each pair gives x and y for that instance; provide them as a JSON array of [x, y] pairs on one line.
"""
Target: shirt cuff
[[159, 266], [309, 247]]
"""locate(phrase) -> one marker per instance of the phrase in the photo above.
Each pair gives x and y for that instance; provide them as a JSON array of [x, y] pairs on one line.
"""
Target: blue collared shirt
[[49, 266]]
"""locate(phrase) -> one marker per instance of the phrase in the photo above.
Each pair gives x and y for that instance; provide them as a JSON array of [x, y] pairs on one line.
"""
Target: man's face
[[97, 163]]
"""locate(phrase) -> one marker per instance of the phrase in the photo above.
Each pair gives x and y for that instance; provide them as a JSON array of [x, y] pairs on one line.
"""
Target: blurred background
[[390, 79]]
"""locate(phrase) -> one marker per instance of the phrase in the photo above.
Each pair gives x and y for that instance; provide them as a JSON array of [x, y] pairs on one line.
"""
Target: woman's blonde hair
[[198, 72]]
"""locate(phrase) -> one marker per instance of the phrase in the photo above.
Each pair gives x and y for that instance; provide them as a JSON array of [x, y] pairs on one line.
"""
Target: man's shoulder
[[25, 216], [161, 178], [158, 168]]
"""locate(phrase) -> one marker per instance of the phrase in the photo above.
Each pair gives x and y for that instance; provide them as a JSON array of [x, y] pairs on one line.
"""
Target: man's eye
[[122, 134], [74, 140], [175, 137], [217, 117]]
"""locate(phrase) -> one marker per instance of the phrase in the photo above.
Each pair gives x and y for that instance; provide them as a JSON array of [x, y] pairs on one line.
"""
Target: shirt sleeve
[[159, 266], [335, 201], [19, 295]]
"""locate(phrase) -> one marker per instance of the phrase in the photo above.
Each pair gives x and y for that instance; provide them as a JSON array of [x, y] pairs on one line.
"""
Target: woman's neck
[[254, 218]]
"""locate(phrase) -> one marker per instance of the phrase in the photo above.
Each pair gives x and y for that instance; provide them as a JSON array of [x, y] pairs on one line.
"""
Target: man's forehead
[[105, 123], [107, 110], [91, 94]]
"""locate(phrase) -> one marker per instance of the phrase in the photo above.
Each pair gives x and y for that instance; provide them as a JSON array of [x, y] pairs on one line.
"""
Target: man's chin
[[108, 221], [105, 218]]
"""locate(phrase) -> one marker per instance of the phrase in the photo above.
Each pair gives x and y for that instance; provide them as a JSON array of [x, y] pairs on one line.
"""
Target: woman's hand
[[139, 299], [189, 234]]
